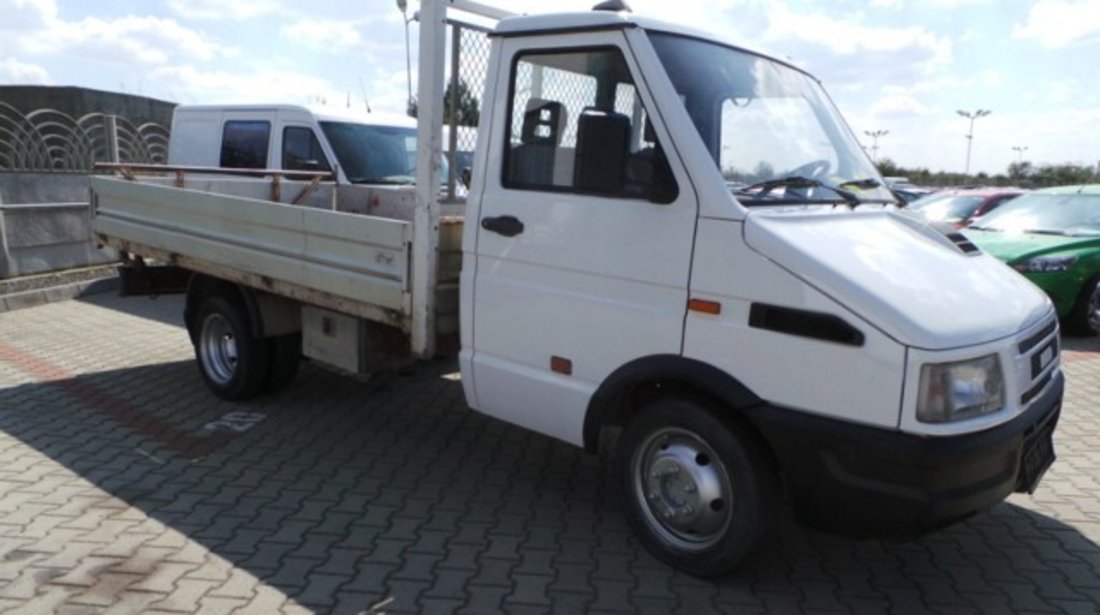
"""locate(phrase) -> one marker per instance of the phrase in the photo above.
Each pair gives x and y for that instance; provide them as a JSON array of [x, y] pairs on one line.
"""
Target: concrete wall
[[77, 102], [45, 220], [45, 224]]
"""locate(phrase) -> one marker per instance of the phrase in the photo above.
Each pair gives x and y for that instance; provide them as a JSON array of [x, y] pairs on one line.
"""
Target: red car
[[961, 207]]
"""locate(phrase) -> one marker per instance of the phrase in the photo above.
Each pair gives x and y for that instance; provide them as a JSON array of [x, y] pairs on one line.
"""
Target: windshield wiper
[[763, 188], [983, 228], [1044, 231], [866, 183]]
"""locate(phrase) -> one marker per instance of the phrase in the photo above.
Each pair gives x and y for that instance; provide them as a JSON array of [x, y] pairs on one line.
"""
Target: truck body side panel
[[360, 258]]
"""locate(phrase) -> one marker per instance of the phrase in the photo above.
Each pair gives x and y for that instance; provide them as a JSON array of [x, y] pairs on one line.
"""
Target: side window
[[302, 151], [578, 125], [244, 144]]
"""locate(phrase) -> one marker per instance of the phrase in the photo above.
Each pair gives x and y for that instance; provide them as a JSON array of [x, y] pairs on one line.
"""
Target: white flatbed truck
[[671, 239]]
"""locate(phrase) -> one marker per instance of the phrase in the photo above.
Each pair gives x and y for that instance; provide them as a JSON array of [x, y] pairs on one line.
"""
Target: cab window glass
[[302, 151], [244, 144], [577, 124]]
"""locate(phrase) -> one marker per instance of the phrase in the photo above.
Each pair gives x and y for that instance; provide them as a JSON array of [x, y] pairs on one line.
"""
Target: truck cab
[[679, 240]]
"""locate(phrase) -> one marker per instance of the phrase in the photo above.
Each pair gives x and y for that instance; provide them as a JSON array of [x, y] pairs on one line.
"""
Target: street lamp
[[875, 134], [1019, 149], [403, 6], [970, 135]]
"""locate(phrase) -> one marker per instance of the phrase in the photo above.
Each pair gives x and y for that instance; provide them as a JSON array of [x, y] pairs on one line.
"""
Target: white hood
[[900, 275]]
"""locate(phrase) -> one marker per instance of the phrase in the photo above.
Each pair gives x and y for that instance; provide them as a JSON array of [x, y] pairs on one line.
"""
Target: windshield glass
[[1063, 214], [763, 120], [947, 207], [373, 154]]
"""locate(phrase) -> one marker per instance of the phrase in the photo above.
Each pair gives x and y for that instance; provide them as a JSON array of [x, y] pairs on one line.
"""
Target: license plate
[[1038, 457]]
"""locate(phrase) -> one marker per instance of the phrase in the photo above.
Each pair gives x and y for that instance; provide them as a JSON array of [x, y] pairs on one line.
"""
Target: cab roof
[[562, 23]]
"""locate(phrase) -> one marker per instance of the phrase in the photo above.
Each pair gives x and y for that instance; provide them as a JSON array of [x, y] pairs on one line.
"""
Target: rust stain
[[105, 403]]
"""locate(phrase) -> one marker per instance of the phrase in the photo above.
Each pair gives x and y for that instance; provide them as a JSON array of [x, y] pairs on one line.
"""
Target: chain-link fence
[[46, 140], [468, 64]]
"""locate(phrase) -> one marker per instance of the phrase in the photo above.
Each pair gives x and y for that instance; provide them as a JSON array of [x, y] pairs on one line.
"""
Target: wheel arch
[[201, 286], [623, 393]]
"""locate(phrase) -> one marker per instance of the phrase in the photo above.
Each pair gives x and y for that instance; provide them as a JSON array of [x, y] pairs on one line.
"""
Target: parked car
[[960, 207], [1052, 236]]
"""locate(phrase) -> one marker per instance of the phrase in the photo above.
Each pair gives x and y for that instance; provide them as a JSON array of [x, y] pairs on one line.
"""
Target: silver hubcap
[[218, 349], [683, 488], [1094, 309]]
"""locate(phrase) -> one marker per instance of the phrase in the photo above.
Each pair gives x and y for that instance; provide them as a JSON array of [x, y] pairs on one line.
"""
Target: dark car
[[1052, 237], [960, 207]]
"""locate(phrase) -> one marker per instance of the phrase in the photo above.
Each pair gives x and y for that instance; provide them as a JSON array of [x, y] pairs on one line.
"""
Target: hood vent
[[962, 243]]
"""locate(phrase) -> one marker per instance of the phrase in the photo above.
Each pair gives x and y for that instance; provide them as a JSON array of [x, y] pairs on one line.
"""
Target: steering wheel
[[812, 169]]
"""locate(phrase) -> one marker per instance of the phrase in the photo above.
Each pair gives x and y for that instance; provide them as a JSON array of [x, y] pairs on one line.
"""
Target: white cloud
[[322, 34], [34, 28], [210, 10], [898, 106], [14, 71], [144, 40], [261, 85], [1058, 23]]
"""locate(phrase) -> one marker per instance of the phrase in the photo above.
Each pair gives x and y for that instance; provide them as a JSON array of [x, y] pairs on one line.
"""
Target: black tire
[[285, 352], [233, 364], [1085, 318], [700, 491]]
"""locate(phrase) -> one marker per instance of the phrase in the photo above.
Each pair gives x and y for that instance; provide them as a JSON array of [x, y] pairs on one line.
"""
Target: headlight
[[1045, 264], [955, 391]]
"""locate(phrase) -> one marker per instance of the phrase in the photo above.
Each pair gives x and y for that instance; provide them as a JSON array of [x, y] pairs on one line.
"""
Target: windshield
[[373, 154], [764, 121], [947, 207], [1061, 214]]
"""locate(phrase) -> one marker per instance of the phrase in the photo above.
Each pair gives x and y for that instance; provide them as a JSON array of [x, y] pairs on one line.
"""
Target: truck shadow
[[340, 494]]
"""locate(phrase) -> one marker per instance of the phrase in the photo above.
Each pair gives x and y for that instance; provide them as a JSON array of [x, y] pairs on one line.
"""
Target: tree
[[1020, 170], [468, 109]]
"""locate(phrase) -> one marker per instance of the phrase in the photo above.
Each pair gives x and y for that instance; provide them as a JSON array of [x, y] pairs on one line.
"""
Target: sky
[[902, 66]]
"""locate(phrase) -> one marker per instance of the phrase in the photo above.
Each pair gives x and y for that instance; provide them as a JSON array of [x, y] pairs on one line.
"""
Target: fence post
[[110, 129]]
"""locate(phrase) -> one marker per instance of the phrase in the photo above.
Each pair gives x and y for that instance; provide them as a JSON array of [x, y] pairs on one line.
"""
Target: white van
[[359, 147]]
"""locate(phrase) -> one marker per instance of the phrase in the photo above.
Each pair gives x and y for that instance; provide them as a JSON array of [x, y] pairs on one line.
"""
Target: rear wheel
[[233, 364], [1085, 317], [700, 491]]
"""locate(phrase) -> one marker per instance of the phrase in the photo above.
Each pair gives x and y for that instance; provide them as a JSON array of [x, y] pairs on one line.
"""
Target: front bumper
[[874, 483]]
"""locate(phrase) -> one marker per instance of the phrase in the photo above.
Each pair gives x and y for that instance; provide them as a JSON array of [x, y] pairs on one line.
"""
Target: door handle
[[509, 226]]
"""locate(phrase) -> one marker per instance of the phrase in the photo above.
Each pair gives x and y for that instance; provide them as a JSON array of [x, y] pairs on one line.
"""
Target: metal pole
[[433, 35], [970, 135], [969, 143], [452, 136]]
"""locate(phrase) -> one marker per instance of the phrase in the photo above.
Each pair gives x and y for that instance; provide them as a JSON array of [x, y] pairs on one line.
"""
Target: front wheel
[[1085, 317], [233, 364], [700, 491]]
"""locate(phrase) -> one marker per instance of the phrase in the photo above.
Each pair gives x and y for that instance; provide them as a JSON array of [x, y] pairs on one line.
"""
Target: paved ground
[[126, 488]]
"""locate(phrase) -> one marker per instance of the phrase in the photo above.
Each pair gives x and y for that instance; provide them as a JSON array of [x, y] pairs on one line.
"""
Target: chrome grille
[[1038, 358]]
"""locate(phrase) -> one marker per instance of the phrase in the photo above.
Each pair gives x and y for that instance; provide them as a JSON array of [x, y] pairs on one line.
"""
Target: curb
[[52, 294]]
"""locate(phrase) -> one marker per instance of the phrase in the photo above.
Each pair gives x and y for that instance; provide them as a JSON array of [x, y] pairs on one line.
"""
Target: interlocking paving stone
[[115, 498]]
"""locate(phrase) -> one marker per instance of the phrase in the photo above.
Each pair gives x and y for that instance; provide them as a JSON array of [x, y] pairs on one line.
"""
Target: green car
[[1052, 237]]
